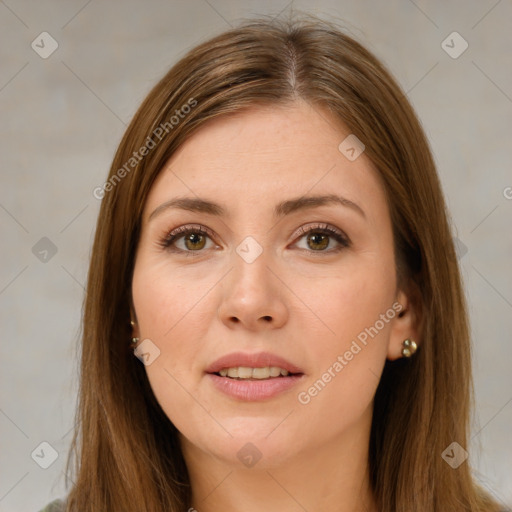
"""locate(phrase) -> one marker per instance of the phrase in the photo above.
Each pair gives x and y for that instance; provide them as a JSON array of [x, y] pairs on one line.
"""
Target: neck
[[332, 477]]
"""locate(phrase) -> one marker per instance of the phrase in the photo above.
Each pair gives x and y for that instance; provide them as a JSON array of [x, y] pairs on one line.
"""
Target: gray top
[[60, 506]]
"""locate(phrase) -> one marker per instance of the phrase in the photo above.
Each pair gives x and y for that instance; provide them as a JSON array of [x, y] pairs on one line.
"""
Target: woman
[[273, 247]]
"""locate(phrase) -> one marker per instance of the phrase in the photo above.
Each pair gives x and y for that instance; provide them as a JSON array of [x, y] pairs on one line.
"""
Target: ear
[[407, 323]]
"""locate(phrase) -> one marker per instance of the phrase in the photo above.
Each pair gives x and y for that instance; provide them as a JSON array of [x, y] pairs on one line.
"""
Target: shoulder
[[55, 506]]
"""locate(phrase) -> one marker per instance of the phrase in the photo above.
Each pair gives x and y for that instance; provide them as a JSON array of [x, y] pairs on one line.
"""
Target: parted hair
[[126, 454]]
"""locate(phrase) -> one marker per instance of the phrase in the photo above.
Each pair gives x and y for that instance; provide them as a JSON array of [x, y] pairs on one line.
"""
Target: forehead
[[263, 154]]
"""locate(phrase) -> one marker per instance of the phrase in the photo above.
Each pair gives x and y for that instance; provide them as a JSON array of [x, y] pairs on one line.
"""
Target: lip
[[253, 390], [256, 360]]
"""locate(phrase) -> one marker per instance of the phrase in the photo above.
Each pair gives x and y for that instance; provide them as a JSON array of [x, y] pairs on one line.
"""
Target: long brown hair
[[126, 451]]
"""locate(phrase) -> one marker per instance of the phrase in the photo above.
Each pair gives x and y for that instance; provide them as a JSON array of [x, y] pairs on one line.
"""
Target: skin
[[304, 305]]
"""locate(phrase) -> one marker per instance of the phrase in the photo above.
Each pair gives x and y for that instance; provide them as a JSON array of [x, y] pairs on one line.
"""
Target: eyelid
[[318, 226], [191, 227], [340, 236], [171, 236]]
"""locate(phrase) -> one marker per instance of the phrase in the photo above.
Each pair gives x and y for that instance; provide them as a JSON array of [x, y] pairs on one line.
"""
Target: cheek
[[349, 299], [174, 313], [349, 350], [165, 299]]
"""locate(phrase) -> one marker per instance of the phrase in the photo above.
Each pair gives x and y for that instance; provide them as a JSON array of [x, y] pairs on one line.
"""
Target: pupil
[[320, 239], [193, 239]]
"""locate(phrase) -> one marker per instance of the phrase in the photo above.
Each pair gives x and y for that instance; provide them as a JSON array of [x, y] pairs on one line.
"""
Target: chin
[[255, 454], [256, 443]]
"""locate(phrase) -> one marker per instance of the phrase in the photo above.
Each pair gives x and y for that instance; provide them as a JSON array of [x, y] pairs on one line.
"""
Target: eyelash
[[324, 229]]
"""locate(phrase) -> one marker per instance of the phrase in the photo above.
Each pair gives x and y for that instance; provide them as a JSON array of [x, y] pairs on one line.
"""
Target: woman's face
[[271, 277]]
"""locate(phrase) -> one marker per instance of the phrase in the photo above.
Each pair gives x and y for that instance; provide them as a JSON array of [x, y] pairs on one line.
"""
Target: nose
[[253, 296]]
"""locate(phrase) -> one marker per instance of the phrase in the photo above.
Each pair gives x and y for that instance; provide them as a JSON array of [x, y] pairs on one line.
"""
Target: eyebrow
[[196, 204]]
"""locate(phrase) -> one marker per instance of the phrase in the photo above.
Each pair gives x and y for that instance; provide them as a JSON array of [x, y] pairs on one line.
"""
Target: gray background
[[62, 117]]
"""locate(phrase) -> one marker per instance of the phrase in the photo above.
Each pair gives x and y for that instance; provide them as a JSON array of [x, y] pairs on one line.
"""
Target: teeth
[[244, 372], [232, 372], [275, 371], [259, 373]]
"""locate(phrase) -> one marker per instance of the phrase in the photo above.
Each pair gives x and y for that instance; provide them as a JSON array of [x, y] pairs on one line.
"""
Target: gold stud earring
[[409, 347]]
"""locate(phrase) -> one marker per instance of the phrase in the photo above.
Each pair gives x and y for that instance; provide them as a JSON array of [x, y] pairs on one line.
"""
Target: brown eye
[[188, 240], [195, 241], [318, 241], [322, 239]]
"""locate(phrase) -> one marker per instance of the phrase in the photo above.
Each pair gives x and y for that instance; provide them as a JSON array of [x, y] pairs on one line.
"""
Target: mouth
[[248, 373], [260, 365], [253, 377]]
